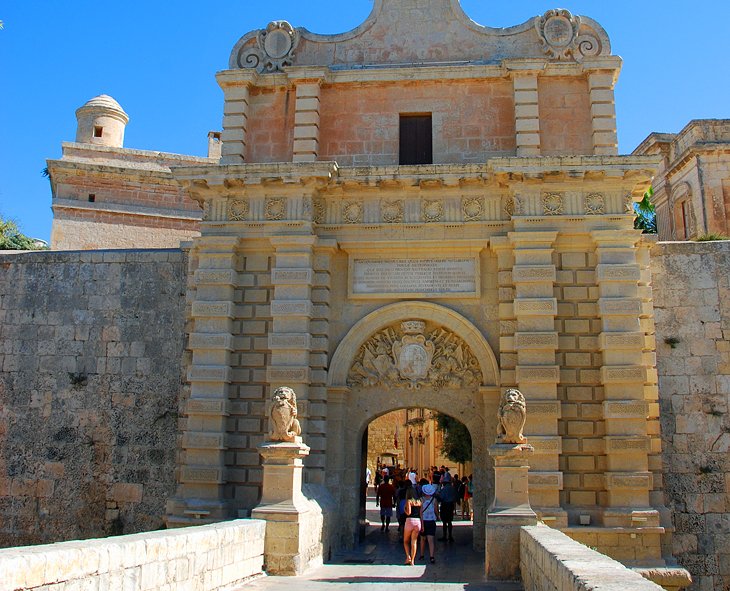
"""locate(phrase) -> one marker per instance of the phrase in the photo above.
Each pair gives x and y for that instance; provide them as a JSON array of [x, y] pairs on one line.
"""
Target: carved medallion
[[274, 48], [432, 210], [413, 353], [472, 208], [552, 204], [392, 211], [411, 356], [352, 212], [237, 210], [275, 208], [595, 204], [559, 31]]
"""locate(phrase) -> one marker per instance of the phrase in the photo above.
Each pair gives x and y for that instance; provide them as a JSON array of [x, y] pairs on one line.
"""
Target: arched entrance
[[409, 354]]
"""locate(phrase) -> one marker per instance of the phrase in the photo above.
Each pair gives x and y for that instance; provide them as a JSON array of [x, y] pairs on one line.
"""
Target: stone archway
[[462, 382]]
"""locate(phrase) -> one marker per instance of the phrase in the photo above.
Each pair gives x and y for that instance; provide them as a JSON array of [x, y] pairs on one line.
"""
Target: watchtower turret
[[101, 121]]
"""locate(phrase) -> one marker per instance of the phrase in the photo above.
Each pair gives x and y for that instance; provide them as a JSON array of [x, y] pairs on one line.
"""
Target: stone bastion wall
[[91, 345], [692, 314]]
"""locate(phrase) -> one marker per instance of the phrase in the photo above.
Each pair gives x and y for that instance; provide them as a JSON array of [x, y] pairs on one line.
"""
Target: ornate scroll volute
[[284, 423], [566, 36], [512, 416], [274, 49]]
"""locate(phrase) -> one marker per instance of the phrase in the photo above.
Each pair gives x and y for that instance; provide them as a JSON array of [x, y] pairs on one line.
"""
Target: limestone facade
[[509, 260], [692, 183]]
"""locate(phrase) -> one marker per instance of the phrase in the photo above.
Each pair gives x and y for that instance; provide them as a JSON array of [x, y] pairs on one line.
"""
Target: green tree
[[645, 214], [457, 440], [11, 238]]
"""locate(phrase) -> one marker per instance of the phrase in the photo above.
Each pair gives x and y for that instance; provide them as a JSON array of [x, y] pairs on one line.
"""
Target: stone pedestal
[[293, 526], [509, 511]]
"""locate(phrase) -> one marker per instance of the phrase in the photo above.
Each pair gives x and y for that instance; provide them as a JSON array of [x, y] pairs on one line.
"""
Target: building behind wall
[[109, 196], [692, 184]]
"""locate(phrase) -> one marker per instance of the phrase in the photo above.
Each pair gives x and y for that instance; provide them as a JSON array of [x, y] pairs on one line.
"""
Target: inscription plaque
[[439, 277]]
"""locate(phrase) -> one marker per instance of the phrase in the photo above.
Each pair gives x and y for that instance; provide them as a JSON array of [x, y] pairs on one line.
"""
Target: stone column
[[202, 466], [527, 113], [603, 112], [306, 121], [509, 512], [624, 375], [536, 372], [235, 122]]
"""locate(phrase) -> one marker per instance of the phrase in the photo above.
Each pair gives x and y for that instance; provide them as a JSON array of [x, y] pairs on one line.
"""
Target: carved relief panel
[[413, 355]]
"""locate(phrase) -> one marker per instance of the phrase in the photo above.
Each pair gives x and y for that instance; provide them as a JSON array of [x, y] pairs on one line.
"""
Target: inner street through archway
[[378, 561]]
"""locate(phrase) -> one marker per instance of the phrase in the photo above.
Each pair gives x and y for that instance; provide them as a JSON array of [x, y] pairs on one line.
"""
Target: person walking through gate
[[385, 498], [447, 496], [466, 499], [429, 516], [412, 526]]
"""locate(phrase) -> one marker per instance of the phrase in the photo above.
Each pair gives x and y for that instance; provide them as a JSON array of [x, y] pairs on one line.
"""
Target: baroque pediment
[[421, 32], [413, 354]]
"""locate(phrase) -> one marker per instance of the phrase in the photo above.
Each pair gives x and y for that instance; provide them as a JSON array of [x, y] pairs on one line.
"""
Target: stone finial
[[512, 415], [284, 423]]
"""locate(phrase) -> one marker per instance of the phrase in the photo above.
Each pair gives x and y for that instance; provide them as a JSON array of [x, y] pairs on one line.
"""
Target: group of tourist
[[419, 504]]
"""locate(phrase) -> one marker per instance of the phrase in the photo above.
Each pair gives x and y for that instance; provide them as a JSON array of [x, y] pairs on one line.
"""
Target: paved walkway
[[379, 562]]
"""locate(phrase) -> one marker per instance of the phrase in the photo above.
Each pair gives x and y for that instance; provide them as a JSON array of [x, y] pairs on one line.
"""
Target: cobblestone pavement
[[379, 562]]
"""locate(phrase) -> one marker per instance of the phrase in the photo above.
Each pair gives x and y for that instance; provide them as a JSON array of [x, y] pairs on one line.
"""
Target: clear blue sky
[[158, 59]]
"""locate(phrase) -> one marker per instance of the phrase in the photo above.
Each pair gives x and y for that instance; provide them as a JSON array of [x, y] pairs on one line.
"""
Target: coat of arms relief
[[410, 355]]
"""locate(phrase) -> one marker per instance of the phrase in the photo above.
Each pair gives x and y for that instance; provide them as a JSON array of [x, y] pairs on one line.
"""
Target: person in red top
[[385, 497]]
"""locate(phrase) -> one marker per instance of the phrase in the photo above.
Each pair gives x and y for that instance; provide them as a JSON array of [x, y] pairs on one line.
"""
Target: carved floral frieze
[[392, 211], [552, 204], [595, 204], [513, 206], [275, 208], [352, 212], [237, 210], [408, 355], [319, 211], [432, 210], [472, 208]]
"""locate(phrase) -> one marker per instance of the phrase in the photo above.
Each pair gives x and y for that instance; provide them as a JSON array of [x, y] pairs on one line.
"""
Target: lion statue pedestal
[[293, 525], [510, 509]]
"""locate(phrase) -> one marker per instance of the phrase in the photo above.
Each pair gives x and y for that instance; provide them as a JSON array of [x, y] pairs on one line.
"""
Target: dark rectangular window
[[98, 131], [416, 139], [92, 197]]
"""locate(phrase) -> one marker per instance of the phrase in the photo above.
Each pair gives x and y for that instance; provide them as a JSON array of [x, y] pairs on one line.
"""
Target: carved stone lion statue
[[284, 423], [512, 416]]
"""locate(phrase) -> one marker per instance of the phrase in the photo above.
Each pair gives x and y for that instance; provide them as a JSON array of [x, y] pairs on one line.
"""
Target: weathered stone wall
[[692, 300], [91, 346], [204, 558]]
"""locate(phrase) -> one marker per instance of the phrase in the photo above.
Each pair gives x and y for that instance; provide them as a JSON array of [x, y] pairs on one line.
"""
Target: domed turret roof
[[106, 103]]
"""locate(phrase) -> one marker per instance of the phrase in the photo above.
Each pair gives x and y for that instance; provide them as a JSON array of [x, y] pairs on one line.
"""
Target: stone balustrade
[[551, 561], [207, 557]]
